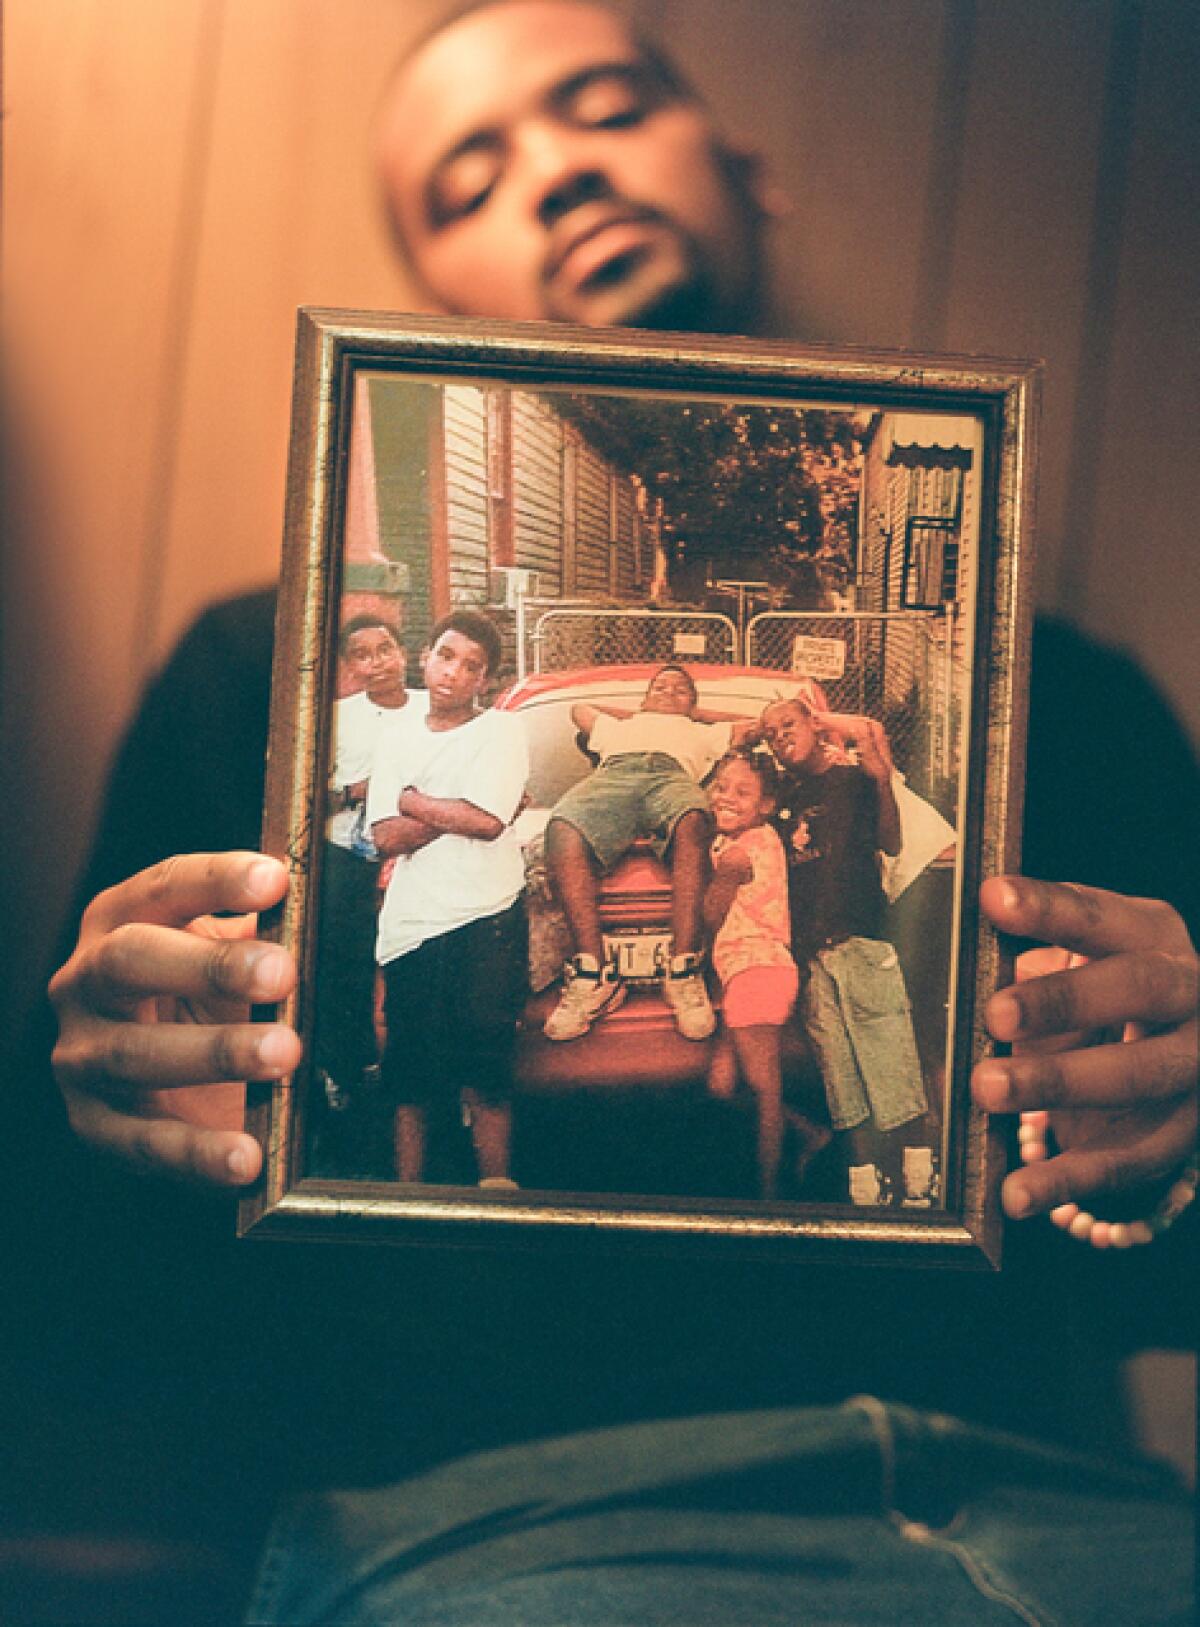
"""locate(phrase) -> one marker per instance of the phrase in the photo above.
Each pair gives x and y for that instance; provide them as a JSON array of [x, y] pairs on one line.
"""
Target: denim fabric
[[640, 794], [864, 1515], [858, 1017]]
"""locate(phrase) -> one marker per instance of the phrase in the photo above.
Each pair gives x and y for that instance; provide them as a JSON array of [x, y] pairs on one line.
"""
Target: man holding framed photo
[[541, 161]]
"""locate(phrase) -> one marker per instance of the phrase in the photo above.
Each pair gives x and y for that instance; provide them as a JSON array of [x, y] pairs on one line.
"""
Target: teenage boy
[[647, 784], [345, 1052], [444, 792], [856, 1012]]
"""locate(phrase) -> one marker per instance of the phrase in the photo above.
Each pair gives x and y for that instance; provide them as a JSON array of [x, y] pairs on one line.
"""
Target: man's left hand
[[1103, 1028]]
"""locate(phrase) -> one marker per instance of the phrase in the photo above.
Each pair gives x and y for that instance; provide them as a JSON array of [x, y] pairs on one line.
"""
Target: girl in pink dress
[[746, 909]]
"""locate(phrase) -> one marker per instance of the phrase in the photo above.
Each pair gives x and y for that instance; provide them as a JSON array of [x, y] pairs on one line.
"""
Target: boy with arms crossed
[[445, 790]]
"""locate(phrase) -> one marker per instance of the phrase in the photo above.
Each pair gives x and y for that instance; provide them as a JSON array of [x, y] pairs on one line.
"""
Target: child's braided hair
[[760, 763]]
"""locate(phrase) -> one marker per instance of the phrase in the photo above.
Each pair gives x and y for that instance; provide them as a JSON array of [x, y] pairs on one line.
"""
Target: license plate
[[641, 957]]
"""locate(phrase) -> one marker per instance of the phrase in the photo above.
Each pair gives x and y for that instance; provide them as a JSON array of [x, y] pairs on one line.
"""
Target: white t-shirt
[[357, 722], [694, 746], [455, 879]]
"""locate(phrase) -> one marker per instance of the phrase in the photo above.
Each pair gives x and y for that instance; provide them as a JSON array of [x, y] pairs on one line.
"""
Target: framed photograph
[[646, 711]]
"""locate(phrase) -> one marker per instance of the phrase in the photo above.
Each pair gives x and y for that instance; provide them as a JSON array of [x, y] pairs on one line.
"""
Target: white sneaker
[[684, 991], [589, 991], [920, 1179], [866, 1185], [337, 1097]]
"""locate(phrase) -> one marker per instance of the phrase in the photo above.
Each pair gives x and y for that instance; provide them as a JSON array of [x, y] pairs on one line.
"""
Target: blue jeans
[[863, 1515]]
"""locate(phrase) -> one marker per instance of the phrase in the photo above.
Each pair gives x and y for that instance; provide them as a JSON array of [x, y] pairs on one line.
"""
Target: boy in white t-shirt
[[648, 784], [345, 1051], [445, 789]]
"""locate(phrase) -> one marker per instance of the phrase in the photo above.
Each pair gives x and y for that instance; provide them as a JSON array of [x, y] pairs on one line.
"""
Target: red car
[[635, 1054]]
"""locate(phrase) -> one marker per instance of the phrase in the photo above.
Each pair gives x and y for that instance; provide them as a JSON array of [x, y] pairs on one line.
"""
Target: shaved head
[[540, 160]]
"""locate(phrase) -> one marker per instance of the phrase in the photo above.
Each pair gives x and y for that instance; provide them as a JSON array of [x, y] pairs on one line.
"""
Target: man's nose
[[561, 170]]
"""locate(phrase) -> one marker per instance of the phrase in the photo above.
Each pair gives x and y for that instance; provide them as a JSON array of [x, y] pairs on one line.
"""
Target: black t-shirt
[[829, 824], [241, 1366]]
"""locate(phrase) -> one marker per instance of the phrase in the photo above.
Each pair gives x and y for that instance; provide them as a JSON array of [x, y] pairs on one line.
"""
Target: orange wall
[[1009, 176]]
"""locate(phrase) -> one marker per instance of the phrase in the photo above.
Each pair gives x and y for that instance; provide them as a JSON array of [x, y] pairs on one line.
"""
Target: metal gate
[[897, 666], [892, 665], [555, 637]]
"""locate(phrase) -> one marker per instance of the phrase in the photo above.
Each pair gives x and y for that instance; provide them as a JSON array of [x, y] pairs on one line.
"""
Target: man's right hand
[[154, 1002]]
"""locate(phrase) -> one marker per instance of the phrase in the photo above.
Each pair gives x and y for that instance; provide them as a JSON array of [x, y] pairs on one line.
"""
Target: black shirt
[[241, 1366], [829, 825]]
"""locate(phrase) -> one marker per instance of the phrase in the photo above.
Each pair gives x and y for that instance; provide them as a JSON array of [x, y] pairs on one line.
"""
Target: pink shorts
[[760, 995]]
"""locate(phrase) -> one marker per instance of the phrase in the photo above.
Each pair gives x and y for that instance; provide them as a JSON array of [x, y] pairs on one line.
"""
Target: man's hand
[[1103, 1028], [155, 1000]]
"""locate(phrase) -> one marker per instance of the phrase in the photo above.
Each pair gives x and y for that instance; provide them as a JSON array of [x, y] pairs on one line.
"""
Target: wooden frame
[[961, 427]]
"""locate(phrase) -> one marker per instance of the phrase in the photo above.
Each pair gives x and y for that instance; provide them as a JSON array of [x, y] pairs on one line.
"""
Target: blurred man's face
[[538, 169]]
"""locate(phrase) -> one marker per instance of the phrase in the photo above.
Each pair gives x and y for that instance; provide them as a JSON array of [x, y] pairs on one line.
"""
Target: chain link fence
[[894, 666], [556, 637], [897, 666]]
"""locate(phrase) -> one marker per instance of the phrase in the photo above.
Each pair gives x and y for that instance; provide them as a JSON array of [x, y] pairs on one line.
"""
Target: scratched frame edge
[[331, 345]]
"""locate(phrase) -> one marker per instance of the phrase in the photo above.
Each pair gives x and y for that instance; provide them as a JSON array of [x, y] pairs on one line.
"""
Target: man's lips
[[593, 236]]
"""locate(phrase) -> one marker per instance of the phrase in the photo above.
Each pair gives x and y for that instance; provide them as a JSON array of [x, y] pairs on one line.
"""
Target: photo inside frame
[[796, 561]]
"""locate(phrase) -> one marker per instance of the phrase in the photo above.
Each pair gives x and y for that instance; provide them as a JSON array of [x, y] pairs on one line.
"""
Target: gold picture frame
[[851, 526]]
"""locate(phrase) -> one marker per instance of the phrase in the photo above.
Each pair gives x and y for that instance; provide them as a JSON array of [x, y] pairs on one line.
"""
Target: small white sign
[[640, 957], [690, 644], [814, 657]]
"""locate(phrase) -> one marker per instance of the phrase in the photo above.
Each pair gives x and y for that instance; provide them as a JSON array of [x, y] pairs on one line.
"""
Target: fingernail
[[267, 967], [1018, 1202], [262, 876], [1009, 896], [274, 1048], [991, 1087], [238, 1163], [1004, 1016]]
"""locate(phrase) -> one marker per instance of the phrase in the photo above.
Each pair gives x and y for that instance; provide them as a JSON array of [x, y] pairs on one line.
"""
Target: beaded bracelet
[[1079, 1223]]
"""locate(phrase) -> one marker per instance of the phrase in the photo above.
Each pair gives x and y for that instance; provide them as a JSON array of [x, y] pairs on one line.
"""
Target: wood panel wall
[[1016, 176]]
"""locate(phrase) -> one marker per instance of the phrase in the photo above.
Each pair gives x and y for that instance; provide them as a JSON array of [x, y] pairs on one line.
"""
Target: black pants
[[344, 1030], [452, 1006]]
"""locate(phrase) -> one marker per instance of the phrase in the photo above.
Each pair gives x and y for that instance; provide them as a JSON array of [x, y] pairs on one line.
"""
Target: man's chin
[[649, 295]]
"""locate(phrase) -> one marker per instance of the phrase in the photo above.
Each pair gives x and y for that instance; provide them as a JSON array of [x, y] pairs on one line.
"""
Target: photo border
[[332, 348]]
